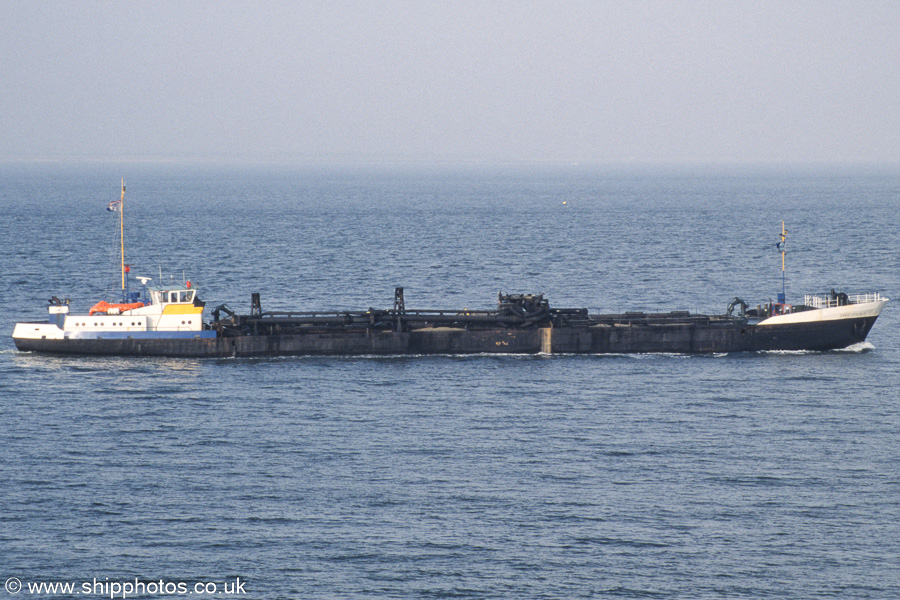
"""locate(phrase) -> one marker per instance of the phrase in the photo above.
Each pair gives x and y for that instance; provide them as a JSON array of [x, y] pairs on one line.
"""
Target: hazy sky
[[483, 81]]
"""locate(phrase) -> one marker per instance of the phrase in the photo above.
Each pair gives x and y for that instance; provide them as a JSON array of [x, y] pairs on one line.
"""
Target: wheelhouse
[[179, 296]]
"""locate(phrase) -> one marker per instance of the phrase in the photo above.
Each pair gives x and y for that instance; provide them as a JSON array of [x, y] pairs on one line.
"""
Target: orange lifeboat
[[105, 307]]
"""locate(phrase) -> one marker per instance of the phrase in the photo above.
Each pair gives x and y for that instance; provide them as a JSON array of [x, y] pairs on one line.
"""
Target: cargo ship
[[171, 324], [168, 321]]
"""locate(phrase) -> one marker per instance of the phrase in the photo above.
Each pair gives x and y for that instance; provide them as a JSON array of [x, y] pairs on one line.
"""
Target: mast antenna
[[781, 246]]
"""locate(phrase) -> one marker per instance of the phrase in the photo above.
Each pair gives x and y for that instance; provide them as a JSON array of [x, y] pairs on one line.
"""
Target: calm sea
[[771, 475]]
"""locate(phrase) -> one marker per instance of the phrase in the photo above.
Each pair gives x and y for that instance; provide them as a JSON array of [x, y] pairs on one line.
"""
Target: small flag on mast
[[781, 245]]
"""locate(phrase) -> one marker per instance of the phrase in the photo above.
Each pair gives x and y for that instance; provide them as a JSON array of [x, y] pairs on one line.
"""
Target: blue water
[[770, 475]]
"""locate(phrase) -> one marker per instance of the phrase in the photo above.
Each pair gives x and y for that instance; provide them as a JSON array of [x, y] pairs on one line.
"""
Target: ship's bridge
[[174, 309], [169, 296]]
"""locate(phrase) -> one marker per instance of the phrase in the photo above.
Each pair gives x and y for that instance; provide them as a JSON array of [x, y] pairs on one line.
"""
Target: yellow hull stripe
[[182, 309]]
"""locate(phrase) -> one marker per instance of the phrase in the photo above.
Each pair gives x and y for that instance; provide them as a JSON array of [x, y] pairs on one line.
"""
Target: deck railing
[[829, 302]]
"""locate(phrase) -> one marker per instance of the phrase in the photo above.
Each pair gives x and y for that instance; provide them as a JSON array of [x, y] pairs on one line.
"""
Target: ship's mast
[[122, 233], [781, 245]]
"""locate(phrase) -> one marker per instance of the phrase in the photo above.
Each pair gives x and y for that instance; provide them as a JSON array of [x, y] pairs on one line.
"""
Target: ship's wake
[[859, 348]]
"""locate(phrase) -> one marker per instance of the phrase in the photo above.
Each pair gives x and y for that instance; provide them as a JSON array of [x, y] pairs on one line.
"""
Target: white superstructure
[[168, 313]]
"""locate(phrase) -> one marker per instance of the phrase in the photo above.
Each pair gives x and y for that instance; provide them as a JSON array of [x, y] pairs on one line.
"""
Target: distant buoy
[[564, 202]]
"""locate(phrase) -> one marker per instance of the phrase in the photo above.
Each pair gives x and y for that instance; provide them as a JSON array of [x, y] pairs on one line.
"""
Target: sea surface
[[770, 475]]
